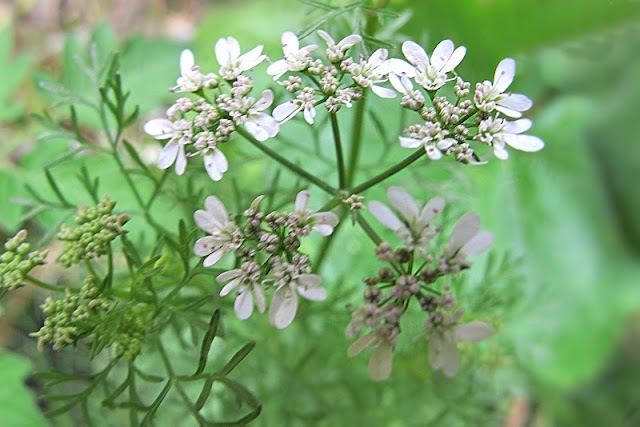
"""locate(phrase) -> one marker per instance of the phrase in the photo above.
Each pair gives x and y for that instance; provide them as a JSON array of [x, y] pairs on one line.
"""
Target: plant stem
[[286, 163], [368, 230], [356, 139], [389, 172], [42, 285], [339, 157]]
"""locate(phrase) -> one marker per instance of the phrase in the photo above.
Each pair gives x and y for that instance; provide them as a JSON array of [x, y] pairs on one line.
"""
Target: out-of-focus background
[[562, 284]]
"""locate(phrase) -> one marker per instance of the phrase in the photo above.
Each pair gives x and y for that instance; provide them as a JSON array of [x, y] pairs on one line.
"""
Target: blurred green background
[[562, 285]]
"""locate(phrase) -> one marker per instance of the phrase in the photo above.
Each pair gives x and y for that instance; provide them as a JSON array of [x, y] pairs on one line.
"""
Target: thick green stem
[[356, 139], [286, 163], [42, 285], [389, 172], [338, 143]]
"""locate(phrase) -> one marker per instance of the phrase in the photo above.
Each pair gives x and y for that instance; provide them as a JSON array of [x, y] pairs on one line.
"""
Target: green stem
[[286, 163], [42, 285], [356, 139], [339, 157], [389, 172], [368, 230]]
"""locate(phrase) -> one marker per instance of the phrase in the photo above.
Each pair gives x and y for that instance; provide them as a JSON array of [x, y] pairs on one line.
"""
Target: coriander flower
[[224, 235], [179, 134], [383, 339], [232, 64], [415, 230], [430, 73], [335, 52], [490, 96], [261, 125], [192, 79], [466, 239], [444, 333], [247, 278], [295, 58], [411, 99], [431, 136], [496, 132], [369, 73], [290, 282], [304, 102], [215, 162], [321, 222]]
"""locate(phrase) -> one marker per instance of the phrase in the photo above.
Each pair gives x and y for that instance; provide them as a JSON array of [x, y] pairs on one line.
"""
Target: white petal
[[445, 143], [222, 52], [309, 114], [265, 101], [464, 230], [524, 142], [473, 331], [450, 358], [515, 101], [517, 126], [284, 305], [228, 275], [431, 209], [378, 57], [251, 58], [215, 163], [435, 350], [403, 202], [409, 142], [361, 343], [508, 111], [187, 62], [284, 112], [309, 287], [456, 58], [441, 54], [213, 258], [204, 246], [290, 42], [260, 300], [324, 222], [349, 41], [383, 214], [181, 160], [478, 243], [262, 126], [415, 54], [383, 92], [327, 38], [302, 200], [214, 206], [230, 286], [401, 68], [243, 306], [500, 152], [381, 362], [160, 128], [396, 83], [168, 154], [504, 74], [277, 69], [432, 152], [323, 229]]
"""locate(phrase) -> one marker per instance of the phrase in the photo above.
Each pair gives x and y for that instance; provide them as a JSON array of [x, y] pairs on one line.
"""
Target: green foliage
[[18, 407], [14, 71]]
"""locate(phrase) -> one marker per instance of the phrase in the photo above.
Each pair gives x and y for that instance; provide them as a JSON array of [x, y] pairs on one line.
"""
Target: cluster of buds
[[200, 126], [17, 262], [267, 248], [413, 274], [451, 125], [96, 228], [72, 318], [133, 324]]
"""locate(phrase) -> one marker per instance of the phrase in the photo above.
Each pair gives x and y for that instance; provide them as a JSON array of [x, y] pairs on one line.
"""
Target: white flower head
[[466, 239], [261, 125], [224, 235], [444, 336], [305, 102], [321, 222], [179, 134], [371, 72], [295, 58], [192, 79], [284, 303], [232, 64], [246, 278], [335, 52], [430, 73], [415, 230], [432, 137], [497, 132], [490, 96]]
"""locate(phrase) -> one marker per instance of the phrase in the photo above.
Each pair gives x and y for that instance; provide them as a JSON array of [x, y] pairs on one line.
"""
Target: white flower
[[284, 303], [496, 132], [321, 222], [371, 72], [381, 360], [224, 234], [178, 133], [304, 102], [192, 79], [490, 96], [432, 137], [295, 58], [466, 240], [430, 73], [335, 52], [232, 64], [247, 278], [261, 125], [443, 349], [415, 231], [215, 162]]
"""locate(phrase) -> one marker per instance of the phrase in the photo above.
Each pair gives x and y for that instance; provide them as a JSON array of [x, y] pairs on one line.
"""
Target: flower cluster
[[267, 249], [413, 275], [132, 326], [200, 126], [449, 126], [72, 318], [96, 228], [17, 262]]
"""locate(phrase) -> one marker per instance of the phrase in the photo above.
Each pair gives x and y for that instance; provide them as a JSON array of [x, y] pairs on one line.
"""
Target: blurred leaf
[[13, 72], [18, 407]]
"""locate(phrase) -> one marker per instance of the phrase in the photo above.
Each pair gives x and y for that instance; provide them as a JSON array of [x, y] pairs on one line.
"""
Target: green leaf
[[18, 407], [14, 72], [237, 358], [207, 340]]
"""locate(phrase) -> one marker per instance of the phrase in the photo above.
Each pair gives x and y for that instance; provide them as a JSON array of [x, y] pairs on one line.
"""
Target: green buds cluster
[[17, 262], [72, 318], [132, 328], [97, 227]]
